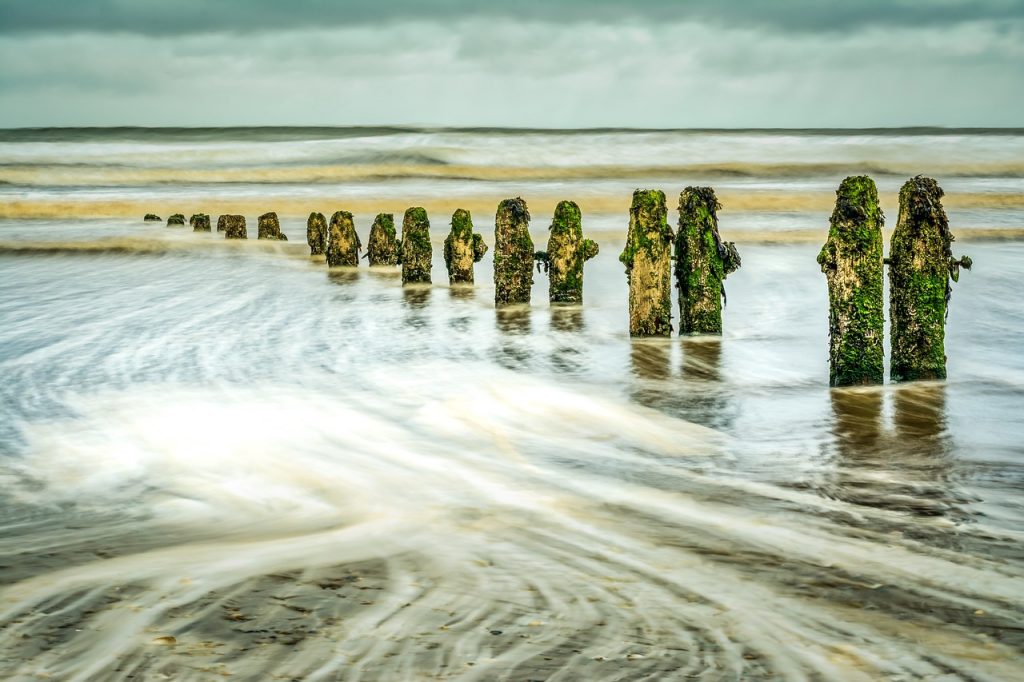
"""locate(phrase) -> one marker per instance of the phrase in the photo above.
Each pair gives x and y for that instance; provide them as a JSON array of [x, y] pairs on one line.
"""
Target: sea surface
[[225, 460]]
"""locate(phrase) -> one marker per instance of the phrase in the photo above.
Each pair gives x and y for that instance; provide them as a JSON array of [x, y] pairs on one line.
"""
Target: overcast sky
[[537, 63]]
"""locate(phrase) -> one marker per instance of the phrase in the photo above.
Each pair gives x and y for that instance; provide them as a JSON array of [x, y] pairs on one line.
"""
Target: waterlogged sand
[[218, 459]]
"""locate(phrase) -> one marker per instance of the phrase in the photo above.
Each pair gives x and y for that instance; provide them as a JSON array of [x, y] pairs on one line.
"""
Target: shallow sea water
[[222, 459]]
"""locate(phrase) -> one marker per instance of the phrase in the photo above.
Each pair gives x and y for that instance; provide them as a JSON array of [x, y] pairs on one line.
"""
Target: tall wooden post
[[703, 261], [647, 257], [852, 262]]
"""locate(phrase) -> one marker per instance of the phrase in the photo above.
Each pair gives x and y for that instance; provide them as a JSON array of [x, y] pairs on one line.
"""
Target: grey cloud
[[161, 17]]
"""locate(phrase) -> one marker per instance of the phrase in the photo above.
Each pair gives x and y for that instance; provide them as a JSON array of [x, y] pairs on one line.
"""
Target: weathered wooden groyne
[[921, 266]]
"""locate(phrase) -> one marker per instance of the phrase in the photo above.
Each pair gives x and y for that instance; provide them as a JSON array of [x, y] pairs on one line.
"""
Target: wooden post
[[382, 247], [416, 250], [200, 222], [567, 251], [703, 261], [647, 257], [234, 226], [513, 253], [921, 265], [269, 227], [176, 220], [222, 223], [852, 262], [342, 241], [316, 233], [462, 248]]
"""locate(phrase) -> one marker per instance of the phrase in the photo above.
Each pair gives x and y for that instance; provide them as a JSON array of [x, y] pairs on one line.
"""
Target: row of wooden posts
[[921, 266]]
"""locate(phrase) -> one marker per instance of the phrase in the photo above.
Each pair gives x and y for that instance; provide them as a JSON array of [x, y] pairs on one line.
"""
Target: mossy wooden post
[[921, 265], [234, 226], [703, 261], [462, 248], [567, 251], [513, 253], [269, 227], [222, 223], [382, 247], [648, 260], [176, 220], [316, 233], [416, 250], [200, 222], [852, 262], [152, 218], [342, 241]]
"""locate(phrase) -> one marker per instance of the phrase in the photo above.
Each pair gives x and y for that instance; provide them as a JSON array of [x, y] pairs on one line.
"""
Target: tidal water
[[222, 459]]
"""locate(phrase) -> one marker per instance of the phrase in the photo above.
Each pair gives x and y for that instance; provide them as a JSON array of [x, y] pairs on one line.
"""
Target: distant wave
[[286, 133], [427, 166]]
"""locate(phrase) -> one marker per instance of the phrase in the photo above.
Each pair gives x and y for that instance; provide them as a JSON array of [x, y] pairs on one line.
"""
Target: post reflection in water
[[651, 363], [703, 394], [514, 325], [462, 292], [905, 469], [567, 323]]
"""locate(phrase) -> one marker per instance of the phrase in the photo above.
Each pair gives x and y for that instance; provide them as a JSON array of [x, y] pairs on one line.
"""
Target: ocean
[[223, 459]]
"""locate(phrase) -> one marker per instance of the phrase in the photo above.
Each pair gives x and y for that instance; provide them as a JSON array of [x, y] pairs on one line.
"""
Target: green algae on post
[[513, 253], [342, 241], [316, 233], [647, 257], [152, 218], [703, 261], [462, 248], [176, 219], [416, 250], [567, 251], [269, 227], [382, 246], [234, 226], [852, 262], [921, 265]]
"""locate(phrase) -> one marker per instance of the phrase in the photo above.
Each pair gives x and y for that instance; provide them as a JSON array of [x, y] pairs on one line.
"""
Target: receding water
[[222, 459]]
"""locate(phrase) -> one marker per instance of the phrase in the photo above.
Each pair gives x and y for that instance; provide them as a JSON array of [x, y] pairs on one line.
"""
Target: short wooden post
[[462, 248], [342, 241], [200, 222], [647, 257], [921, 265], [703, 261], [513, 253], [316, 233], [567, 251], [234, 226], [416, 250], [382, 246], [852, 262], [176, 220], [269, 227]]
